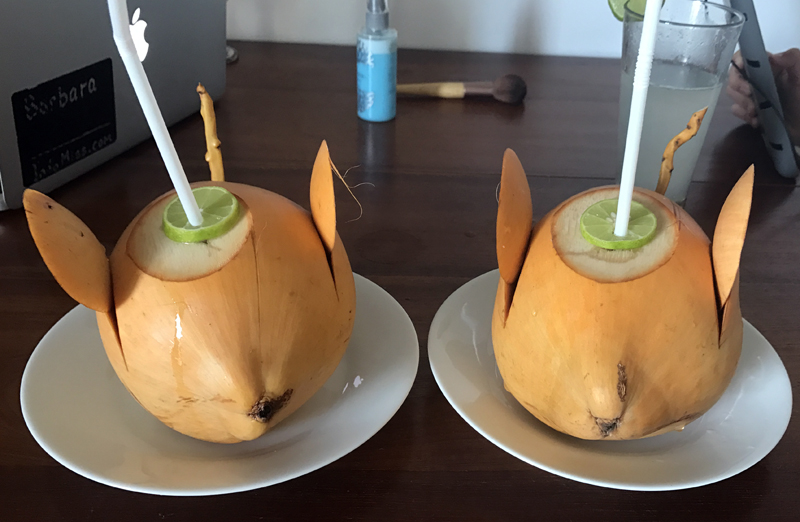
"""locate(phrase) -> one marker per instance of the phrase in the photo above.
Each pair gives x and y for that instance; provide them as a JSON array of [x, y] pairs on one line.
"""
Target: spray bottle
[[377, 65]]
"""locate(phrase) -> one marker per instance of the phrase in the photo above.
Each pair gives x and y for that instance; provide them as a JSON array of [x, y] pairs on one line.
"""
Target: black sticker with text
[[64, 120]]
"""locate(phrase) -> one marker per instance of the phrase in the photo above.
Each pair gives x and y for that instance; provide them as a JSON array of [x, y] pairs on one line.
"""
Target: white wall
[[557, 27]]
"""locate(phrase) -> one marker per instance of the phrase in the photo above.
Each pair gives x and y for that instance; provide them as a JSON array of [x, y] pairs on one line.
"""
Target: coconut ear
[[726, 249], [514, 218], [109, 333], [731, 327], [70, 250], [323, 201], [514, 224]]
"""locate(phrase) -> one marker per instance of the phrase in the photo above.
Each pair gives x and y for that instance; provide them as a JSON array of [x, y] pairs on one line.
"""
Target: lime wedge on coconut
[[220, 211], [597, 226]]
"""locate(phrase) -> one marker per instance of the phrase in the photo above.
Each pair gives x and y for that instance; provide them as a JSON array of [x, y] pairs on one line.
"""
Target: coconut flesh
[[623, 344], [222, 339]]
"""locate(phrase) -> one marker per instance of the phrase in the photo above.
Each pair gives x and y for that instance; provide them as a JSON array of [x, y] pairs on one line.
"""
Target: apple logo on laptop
[[137, 33]]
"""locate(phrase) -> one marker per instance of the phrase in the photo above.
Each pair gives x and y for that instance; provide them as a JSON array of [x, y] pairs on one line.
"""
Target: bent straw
[[641, 81], [118, 10]]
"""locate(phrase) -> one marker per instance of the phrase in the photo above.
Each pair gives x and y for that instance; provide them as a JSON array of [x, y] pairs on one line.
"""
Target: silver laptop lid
[[66, 103]]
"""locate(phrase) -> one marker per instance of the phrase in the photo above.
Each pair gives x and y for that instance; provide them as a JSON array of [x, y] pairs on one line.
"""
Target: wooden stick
[[683, 136], [213, 154], [439, 90]]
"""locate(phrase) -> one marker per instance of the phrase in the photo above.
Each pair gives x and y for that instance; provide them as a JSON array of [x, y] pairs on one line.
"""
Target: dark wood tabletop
[[427, 228]]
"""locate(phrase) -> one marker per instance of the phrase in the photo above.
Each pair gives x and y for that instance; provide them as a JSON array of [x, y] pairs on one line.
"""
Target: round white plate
[[79, 412], [746, 423]]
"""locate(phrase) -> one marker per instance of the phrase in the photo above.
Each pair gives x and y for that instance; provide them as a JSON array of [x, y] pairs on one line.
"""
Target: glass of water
[[693, 50]]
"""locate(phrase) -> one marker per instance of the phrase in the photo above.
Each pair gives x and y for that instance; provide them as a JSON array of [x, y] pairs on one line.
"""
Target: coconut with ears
[[223, 338], [616, 344], [615, 317]]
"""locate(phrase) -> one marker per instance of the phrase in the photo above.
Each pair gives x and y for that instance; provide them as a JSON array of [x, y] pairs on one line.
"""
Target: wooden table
[[427, 228]]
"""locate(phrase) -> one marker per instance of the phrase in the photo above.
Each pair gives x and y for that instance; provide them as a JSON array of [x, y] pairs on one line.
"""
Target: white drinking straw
[[641, 81], [118, 9]]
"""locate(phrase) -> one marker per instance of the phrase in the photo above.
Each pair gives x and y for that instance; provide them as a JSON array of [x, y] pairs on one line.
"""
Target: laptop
[[66, 102]]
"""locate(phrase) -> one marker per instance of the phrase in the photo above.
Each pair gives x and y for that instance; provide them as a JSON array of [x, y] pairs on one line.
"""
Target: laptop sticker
[[64, 120]]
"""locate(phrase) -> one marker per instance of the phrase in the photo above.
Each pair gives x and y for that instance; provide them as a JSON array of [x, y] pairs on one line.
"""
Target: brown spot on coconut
[[266, 408], [622, 382]]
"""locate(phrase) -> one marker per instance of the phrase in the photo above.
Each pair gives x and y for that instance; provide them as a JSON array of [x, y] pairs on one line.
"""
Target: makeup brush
[[507, 89]]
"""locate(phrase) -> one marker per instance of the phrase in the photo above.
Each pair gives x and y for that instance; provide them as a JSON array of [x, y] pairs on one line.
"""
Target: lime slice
[[597, 226], [220, 210], [636, 6]]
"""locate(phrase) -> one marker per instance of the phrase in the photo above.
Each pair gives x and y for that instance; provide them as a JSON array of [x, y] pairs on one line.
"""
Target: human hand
[[786, 70]]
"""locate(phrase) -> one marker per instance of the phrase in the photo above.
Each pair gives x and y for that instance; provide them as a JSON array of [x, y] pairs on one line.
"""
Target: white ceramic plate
[[746, 423], [80, 413]]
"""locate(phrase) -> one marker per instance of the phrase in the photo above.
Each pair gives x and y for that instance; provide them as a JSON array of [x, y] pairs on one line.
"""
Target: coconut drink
[[220, 331], [615, 316], [617, 338]]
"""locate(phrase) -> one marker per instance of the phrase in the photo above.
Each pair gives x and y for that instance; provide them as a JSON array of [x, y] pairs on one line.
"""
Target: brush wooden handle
[[438, 90]]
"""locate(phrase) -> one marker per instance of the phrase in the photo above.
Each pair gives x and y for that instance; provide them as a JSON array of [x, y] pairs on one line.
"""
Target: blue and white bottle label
[[377, 79]]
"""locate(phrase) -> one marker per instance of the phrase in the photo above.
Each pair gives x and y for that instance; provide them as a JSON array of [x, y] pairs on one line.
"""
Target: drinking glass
[[693, 50]]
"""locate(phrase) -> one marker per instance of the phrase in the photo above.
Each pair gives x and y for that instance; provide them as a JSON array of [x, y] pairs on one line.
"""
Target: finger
[[734, 76], [740, 113], [740, 99], [737, 65], [787, 62], [745, 102], [738, 84], [788, 58], [738, 60], [745, 116]]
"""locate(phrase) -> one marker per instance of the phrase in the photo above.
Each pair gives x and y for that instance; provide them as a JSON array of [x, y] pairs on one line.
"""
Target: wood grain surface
[[427, 227]]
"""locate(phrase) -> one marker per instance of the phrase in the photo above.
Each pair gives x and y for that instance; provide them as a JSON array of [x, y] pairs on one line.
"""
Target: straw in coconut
[[118, 9], [641, 81]]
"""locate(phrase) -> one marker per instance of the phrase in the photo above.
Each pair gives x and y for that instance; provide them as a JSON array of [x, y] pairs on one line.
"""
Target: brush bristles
[[510, 89]]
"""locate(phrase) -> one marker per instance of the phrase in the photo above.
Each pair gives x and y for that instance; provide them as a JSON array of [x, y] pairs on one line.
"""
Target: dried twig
[[213, 154], [685, 135]]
